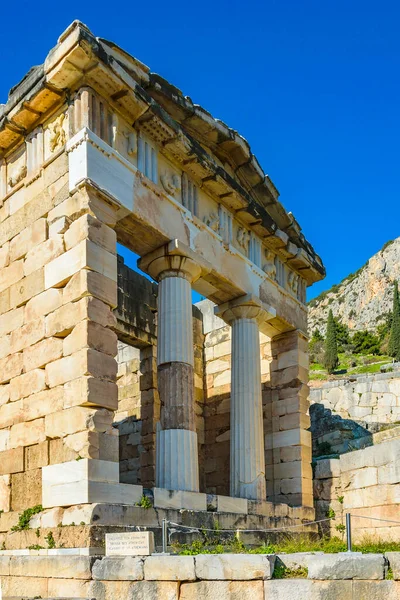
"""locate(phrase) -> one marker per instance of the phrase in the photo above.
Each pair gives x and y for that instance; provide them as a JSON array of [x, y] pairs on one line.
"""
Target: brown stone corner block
[[89, 334], [90, 283], [88, 227], [86, 255], [26, 434], [11, 366], [27, 288], [26, 489], [89, 391], [28, 238], [37, 456], [43, 352], [11, 274], [29, 383], [78, 418], [43, 304], [84, 362], [12, 461]]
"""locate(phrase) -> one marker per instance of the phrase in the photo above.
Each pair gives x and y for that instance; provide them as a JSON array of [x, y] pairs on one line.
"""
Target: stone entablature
[[159, 146], [88, 110]]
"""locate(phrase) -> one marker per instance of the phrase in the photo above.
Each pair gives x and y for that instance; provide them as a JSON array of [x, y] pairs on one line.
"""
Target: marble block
[[232, 505], [84, 482], [179, 499]]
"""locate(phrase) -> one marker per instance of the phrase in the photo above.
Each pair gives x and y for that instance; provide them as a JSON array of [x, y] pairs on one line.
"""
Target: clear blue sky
[[313, 85]]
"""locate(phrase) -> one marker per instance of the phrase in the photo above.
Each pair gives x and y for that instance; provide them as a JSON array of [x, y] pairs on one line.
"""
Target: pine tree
[[331, 359], [394, 339]]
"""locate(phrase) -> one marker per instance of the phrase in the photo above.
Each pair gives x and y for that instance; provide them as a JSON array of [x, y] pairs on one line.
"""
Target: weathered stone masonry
[[96, 149]]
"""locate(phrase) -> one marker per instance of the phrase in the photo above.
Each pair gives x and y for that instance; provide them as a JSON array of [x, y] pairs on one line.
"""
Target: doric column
[[175, 269], [247, 436]]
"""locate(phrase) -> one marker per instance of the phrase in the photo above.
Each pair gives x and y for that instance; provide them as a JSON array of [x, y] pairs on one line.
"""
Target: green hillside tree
[[331, 359], [394, 339], [342, 334]]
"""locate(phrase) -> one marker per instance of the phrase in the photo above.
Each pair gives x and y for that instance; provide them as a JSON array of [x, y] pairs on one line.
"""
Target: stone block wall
[[365, 483], [290, 438], [371, 400], [346, 413], [58, 273], [127, 419]]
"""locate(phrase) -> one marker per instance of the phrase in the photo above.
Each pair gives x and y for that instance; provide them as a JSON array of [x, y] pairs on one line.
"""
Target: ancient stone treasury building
[[112, 384]]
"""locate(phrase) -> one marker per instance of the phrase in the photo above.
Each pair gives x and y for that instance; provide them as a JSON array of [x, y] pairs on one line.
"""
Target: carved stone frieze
[[57, 136], [132, 145], [212, 221], [17, 175], [243, 238], [171, 182], [293, 282], [269, 268]]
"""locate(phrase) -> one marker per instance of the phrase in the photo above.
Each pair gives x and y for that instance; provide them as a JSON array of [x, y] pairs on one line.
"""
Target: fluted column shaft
[[177, 465], [247, 443], [247, 460], [175, 358]]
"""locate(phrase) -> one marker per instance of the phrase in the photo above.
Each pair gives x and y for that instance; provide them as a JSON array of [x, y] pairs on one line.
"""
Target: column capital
[[245, 307], [175, 259]]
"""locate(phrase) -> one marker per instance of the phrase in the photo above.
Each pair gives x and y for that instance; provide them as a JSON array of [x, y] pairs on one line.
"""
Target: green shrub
[[365, 342], [25, 517], [282, 572], [51, 543], [144, 502]]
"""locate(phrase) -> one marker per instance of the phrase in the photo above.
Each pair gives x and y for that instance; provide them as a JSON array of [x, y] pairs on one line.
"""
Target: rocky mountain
[[361, 299]]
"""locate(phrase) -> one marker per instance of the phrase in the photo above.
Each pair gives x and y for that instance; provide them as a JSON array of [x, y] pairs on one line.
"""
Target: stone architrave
[[247, 471], [175, 267]]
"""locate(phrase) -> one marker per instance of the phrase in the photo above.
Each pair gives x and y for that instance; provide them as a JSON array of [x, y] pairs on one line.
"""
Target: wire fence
[[271, 530], [170, 527]]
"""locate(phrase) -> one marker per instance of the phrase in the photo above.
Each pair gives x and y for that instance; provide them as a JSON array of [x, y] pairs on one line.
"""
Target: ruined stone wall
[[371, 399], [345, 413], [127, 418], [364, 482]]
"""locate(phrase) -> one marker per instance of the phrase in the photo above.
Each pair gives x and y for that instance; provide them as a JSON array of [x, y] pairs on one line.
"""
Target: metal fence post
[[348, 531], [164, 535]]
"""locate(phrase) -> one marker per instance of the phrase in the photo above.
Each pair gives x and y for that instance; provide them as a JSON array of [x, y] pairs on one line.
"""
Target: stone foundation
[[366, 483], [226, 577]]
